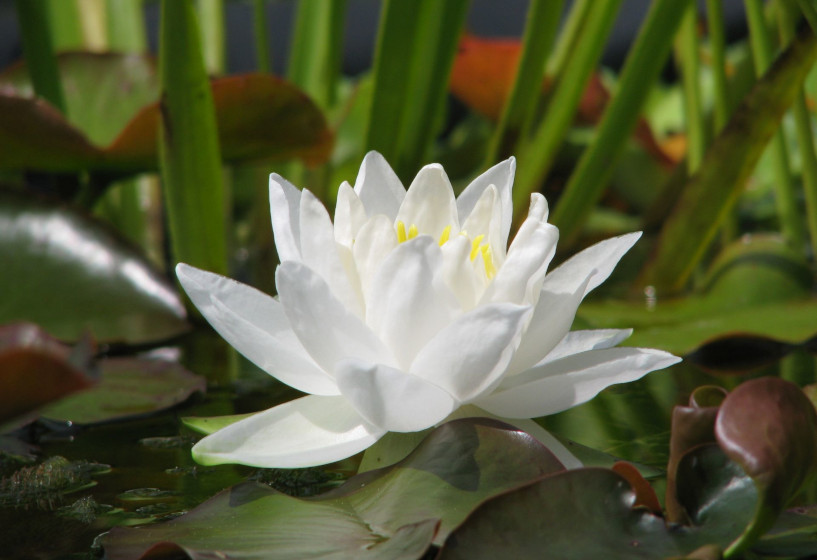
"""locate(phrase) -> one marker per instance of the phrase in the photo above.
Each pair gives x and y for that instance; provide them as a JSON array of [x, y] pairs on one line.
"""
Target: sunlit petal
[[378, 187], [430, 204]]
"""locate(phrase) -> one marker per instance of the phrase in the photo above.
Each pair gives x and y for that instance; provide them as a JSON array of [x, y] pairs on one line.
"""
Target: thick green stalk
[[690, 73], [791, 222], [809, 12], [717, 50], [261, 32], [569, 37], [66, 27], [540, 30], [537, 156], [126, 26], [38, 50], [644, 62], [211, 15], [316, 47], [190, 160]]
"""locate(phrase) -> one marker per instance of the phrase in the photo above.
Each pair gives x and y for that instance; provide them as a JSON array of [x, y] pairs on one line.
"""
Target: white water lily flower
[[407, 311]]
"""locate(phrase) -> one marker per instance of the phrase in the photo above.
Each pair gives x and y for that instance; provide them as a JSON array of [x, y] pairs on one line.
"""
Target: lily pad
[[70, 274], [455, 468], [128, 388]]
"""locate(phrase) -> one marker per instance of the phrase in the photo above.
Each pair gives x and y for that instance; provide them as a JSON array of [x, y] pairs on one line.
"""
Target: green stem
[[190, 160], [791, 222], [126, 26], [644, 62], [809, 12], [569, 37], [538, 155], [543, 20], [38, 51], [66, 25], [690, 73], [262, 48], [211, 14], [717, 49]]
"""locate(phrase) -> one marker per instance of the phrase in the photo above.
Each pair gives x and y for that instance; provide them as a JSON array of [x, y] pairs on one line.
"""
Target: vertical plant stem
[[38, 50], [190, 161], [641, 68], [261, 32], [537, 155], [717, 49], [211, 15], [66, 27], [540, 30], [126, 26], [92, 20], [791, 222], [809, 12], [569, 36], [690, 72]]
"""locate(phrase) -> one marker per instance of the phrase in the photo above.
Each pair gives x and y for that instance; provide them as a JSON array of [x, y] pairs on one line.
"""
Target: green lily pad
[[457, 466], [70, 274], [128, 388]]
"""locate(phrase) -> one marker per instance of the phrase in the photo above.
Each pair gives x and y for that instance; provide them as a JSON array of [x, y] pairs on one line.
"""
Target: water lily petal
[[520, 277], [393, 399], [378, 186], [575, 379], [319, 251], [374, 241], [306, 432], [430, 204], [327, 330], [409, 301], [350, 215], [458, 271], [601, 258], [575, 342], [486, 219], [285, 208], [550, 322], [501, 176], [255, 325], [469, 356]]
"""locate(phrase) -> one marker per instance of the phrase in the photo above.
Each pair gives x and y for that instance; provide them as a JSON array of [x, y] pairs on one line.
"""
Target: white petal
[[392, 399], [520, 277], [350, 215], [486, 219], [319, 252], [576, 342], [458, 271], [306, 432], [285, 208], [378, 187], [430, 204], [601, 257], [375, 240], [550, 322], [327, 330], [562, 384], [501, 176], [255, 325], [409, 301], [470, 355]]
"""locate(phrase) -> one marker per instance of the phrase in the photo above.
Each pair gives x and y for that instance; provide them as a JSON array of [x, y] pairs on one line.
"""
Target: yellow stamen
[[488, 261], [475, 246], [412, 232], [445, 235], [401, 232]]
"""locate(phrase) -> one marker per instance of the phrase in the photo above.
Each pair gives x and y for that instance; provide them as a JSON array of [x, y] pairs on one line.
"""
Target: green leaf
[[455, 468], [711, 192], [128, 388], [769, 427], [70, 274]]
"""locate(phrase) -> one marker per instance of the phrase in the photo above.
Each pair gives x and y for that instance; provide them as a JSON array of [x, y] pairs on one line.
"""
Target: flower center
[[477, 246]]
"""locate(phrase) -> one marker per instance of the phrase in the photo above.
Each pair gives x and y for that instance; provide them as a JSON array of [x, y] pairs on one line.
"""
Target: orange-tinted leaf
[[644, 494], [259, 117]]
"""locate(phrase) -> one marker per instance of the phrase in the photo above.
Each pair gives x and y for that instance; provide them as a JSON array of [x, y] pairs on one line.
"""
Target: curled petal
[[327, 330], [392, 399], [255, 325], [378, 187], [501, 176], [458, 271], [350, 215], [285, 208], [306, 432], [430, 203], [375, 240], [468, 357], [576, 342], [559, 385]]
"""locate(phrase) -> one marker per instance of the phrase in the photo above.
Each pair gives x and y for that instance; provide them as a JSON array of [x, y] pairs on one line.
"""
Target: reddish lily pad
[[457, 466], [128, 388], [36, 369]]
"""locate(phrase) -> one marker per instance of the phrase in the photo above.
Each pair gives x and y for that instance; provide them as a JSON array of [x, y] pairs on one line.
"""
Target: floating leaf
[[35, 369], [459, 465], [68, 273], [128, 388]]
